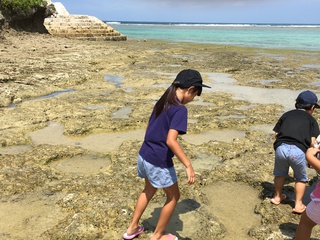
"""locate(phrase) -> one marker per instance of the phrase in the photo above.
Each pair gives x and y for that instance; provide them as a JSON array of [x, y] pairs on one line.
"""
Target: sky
[[199, 11]]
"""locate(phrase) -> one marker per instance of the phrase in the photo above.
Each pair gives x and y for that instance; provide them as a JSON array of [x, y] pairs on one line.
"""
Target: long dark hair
[[169, 98]]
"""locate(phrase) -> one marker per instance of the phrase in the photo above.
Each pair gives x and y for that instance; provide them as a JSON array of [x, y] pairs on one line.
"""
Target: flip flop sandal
[[133, 235], [171, 237]]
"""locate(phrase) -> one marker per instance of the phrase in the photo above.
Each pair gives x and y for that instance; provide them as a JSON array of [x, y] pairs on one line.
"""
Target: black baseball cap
[[189, 77], [308, 97]]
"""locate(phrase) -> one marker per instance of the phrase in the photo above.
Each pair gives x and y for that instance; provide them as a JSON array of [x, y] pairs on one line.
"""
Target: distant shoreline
[[266, 36], [216, 24]]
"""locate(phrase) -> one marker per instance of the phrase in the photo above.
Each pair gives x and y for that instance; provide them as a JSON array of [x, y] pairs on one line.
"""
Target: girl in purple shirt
[[155, 165]]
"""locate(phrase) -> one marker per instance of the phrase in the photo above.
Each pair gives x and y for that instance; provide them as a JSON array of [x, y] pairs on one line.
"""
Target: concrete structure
[[80, 26]]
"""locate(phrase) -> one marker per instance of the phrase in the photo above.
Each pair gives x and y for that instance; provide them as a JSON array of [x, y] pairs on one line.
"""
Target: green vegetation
[[21, 7]]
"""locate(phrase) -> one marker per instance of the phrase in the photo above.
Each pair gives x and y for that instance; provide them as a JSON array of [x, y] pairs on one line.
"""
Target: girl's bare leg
[[173, 195], [305, 227], [142, 202]]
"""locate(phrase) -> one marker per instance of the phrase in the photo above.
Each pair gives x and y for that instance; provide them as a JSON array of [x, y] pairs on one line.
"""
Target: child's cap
[[188, 77], [308, 97]]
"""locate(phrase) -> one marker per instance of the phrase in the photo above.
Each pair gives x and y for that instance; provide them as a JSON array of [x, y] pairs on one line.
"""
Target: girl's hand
[[191, 175], [313, 151], [312, 159]]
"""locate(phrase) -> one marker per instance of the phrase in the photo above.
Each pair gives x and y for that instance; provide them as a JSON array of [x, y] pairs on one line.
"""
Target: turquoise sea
[[280, 36]]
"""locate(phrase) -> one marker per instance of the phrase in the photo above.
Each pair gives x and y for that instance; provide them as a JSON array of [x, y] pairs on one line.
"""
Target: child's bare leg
[[304, 228], [173, 195], [142, 202], [278, 185], [299, 190]]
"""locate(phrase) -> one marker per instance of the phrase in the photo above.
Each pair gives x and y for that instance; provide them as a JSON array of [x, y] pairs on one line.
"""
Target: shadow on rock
[[175, 224], [268, 192], [288, 229]]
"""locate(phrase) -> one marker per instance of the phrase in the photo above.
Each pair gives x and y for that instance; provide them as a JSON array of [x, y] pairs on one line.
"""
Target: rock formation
[[79, 26]]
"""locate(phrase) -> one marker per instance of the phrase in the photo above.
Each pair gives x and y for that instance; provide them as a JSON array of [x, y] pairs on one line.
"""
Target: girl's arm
[[179, 153], [312, 159]]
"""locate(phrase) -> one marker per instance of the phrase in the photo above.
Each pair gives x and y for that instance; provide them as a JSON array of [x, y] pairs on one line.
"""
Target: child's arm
[[312, 159], [179, 153], [313, 140]]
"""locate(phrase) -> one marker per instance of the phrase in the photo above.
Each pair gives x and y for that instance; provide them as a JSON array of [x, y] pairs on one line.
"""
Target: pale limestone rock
[[61, 10], [79, 26]]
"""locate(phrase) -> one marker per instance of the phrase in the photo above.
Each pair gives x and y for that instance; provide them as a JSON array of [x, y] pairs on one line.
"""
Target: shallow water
[[117, 80], [216, 135], [104, 142], [33, 209], [50, 95], [81, 164], [96, 107], [14, 149], [123, 112], [222, 82], [233, 204], [54, 94]]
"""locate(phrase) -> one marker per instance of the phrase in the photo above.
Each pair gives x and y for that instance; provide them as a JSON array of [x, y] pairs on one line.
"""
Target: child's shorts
[[157, 176], [313, 211], [290, 156]]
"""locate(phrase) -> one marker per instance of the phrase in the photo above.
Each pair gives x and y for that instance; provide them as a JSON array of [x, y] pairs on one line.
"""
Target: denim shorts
[[313, 212], [157, 176], [290, 156]]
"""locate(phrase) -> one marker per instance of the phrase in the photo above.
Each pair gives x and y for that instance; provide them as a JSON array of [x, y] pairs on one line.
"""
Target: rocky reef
[[73, 114]]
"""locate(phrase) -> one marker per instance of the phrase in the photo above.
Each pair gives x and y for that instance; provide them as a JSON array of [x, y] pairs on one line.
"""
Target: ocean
[[278, 36]]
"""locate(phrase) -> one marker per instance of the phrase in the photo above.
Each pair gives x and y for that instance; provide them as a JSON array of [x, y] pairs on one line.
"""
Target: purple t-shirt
[[154, 148]]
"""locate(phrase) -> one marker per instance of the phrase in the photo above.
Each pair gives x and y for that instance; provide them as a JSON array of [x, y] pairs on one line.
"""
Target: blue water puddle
[[54, 94], [50, 95], [11, 106], [311, 65], [123, 112], [117, 80], [315, 84], [266, 82], [96, 107]]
